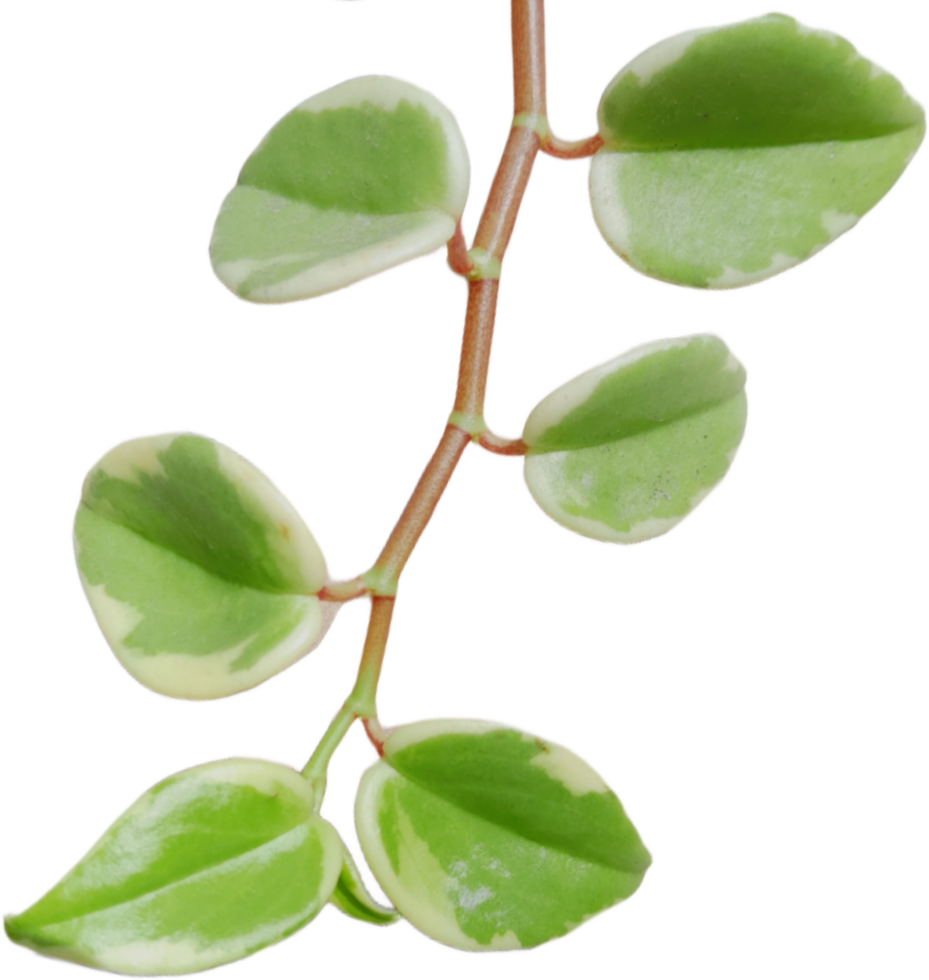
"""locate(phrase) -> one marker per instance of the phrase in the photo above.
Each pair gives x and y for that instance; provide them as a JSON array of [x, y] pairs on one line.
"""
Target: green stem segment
[[316, 769], [360, 703], [490, 243]]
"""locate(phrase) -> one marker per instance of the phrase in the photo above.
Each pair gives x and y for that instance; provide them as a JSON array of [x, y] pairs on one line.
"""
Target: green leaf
[[625, 451], [352, 897], [355, 180], [489, 838], [201, 575], [733, 153], [208, 866]]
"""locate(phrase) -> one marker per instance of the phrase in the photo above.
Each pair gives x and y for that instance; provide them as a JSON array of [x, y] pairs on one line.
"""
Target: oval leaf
[[489, 838], [355, 180], [208, 866], [733, 153], [201, 575], [625, 451]]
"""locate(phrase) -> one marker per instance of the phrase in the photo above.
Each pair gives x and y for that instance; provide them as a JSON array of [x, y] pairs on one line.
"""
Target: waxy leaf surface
[[733, 153], [352, 897], [201, 575], [208, 866], [625, 451], [355, 180], [489, 838]]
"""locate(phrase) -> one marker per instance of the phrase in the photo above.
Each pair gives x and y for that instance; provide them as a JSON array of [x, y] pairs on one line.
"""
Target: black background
[[673, 666]]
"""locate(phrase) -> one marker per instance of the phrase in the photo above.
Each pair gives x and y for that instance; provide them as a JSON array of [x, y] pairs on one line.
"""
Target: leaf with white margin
[[352, 897], [625, 451], [733, 153], [355, 180], [485, 837], [202, 577], [209, 866]]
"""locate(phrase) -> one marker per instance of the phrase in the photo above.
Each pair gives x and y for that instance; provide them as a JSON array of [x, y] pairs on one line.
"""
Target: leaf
[[352, 897], [207, 867], [488, 838], [201, 575], [625, 451], [733, 153], [355, 180]]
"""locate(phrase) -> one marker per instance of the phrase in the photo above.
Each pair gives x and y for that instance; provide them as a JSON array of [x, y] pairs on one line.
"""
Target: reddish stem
[[501, 446], [423, 502], [493, 236], [458, 260], [571, 149], [343, 591], [375, 734]]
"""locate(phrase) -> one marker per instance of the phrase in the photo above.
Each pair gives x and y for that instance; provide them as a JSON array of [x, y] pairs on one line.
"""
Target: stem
[[482, 266], [571, 149], [360, 702], [343, 591], [501, 446], [422, 503], [528, 24], [363, 694], [458, 260], [493, 236], [316, 768]]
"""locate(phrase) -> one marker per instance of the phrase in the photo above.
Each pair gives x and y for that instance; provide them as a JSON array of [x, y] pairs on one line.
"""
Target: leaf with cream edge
[[352, 897], [355, 180], [733, 153], [488, 838], [625, 451], [209, 866], [201, 575]]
